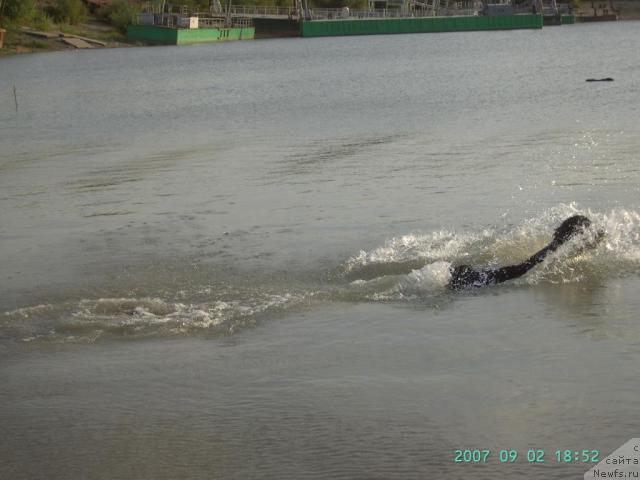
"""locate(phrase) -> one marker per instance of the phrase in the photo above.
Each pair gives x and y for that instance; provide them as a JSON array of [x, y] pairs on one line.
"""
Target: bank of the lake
[[17, 41], [25, 39]]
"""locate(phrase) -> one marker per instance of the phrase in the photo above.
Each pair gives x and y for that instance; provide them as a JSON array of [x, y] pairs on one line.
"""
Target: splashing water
[[414, 267], [419, 264], [90, 320]]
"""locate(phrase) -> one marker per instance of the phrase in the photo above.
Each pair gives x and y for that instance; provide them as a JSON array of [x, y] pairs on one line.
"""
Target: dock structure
[[177, 25], [414, 16], [383, 26], [421, 16], [76, 42]]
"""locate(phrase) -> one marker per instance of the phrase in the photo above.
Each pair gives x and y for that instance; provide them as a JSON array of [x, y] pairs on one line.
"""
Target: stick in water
[[15, 97]]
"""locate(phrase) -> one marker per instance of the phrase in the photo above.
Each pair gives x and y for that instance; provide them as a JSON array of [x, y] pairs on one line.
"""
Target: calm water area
[[230, 261]]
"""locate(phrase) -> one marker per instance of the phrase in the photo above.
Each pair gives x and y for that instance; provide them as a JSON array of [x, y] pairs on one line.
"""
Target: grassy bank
[[53, 20], [18, 41]]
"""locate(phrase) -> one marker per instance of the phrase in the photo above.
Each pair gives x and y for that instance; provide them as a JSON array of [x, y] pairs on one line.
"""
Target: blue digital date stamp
[[532, 455]]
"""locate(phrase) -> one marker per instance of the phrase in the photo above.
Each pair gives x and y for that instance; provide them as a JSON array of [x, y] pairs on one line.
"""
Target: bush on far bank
[[70, 11], [43, 21], [32, 12], [119, 13], [17, 11]]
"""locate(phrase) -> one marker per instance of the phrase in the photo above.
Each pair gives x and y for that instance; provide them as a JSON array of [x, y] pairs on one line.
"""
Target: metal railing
[[205, 20], [241, 22], [348, 14], [240, 13], [262, 11]]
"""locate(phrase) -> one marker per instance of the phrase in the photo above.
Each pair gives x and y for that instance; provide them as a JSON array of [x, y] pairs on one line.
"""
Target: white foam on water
[[178, 317], [432, 246], [617, 254], [411, 267], [28, 312], [91, 319], [583, 257], [428, 280]]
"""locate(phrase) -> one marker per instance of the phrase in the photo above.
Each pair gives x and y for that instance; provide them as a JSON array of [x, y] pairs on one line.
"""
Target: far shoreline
[[18, 42], [99, 35]]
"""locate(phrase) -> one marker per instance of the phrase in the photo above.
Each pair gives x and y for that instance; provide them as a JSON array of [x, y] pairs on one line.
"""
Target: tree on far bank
[[70, 11], [119, 13], [17, 11]]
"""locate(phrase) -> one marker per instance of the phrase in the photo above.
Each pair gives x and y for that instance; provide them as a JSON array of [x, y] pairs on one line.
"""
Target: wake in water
[[414, 267], [89, 320]]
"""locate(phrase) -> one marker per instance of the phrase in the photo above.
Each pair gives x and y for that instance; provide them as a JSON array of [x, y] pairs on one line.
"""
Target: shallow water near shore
[[230, 261]]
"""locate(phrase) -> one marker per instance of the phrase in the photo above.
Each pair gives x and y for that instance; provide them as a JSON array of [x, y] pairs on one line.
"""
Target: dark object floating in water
[[608, 79], [464, 276]]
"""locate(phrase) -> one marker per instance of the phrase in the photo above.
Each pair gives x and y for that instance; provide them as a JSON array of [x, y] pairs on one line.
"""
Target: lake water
[[230, 261]]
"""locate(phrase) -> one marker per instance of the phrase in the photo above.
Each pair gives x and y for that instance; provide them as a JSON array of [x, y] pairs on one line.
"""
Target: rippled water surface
[[230, 261]]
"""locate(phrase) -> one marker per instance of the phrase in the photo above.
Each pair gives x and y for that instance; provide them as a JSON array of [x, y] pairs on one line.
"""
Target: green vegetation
[[18, 11], [70, 11], [31, 12], [16, 41], [119, 13], [110, 35], [36, 44], [43, 22], [66, 16]]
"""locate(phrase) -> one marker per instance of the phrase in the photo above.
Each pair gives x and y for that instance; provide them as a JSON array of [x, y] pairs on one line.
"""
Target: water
[[230, 261]]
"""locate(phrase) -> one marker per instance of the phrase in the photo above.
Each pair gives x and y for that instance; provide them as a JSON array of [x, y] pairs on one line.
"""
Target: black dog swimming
[[465, 276]]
